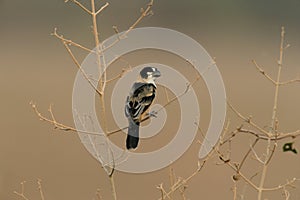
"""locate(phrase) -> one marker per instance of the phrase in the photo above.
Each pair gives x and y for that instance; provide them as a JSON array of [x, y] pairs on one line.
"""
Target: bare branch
[[188, 86], [290, 81], [81, 70], [144, 13], [233, 166], [182, 191], [234, 190], [274, 116], [280, 136], [22, 193], [166, 93], [256, 156], [102, 8], [58, 125], [247, 154], [263, 72], [180, 182], [65, 43], [80, 5], [123, 72], [248, 120], [288, 183], [70, 42], [112, 183], [163, 191], [98, 195], [39, 182]]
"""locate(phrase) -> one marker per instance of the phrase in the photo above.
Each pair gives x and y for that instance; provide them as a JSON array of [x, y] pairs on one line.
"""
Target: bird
[[138, 102]]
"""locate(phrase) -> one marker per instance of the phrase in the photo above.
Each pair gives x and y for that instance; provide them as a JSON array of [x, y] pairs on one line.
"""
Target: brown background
[[35, 66]]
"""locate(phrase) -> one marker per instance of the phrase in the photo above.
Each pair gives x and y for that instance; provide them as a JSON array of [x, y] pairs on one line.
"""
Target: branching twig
[[247, 154], [163, 191], [123, 72], [144, 13], [248, 120], [102, 8], [274, 115], [58, 125], [79, 66], [22, 193], [80, 5], [182, 182], [70, 42]]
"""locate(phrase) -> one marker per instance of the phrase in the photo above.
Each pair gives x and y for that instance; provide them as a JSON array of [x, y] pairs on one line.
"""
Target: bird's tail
[[133, 134]]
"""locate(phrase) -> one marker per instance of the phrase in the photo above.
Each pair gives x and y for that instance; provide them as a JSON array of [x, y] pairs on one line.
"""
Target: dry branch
[[22, 193]]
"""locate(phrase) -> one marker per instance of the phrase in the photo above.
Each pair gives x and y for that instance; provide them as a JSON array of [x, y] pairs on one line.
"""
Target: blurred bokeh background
[[34, 66]]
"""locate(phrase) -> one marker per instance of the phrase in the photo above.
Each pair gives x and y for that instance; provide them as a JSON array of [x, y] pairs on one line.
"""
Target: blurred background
[[34, 66]]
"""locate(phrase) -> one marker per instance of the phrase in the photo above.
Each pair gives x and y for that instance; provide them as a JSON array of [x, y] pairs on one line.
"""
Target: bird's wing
[[139, 100]]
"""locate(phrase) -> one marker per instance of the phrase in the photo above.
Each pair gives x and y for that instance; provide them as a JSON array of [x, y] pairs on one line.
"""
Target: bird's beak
[[156, 74]]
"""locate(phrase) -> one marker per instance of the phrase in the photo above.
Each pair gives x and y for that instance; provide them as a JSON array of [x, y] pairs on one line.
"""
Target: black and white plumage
[[138, 102]]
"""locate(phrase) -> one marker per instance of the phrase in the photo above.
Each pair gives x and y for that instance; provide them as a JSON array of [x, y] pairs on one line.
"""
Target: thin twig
[[172, 178], [102, 8], [263, 72], [80, 5], [274, 116], [163, 191], [22, 193], [140, 18], [273, 138], [113, 187], [234, 190], [289, 82], [39, 182], [166, 93], [248, 120], [98, 195], [58, 125], [79, 67], [247, 154], [70, 42], [120, 75], [181, 182]]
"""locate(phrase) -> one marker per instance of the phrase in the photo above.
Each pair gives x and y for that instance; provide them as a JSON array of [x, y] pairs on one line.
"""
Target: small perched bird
[[138, 102]]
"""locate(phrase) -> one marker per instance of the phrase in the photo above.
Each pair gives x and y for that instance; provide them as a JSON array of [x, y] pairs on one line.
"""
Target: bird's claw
[[152, 114]]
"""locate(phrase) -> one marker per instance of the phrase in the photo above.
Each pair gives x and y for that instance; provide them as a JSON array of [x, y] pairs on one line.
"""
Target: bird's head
[[149, 74]]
